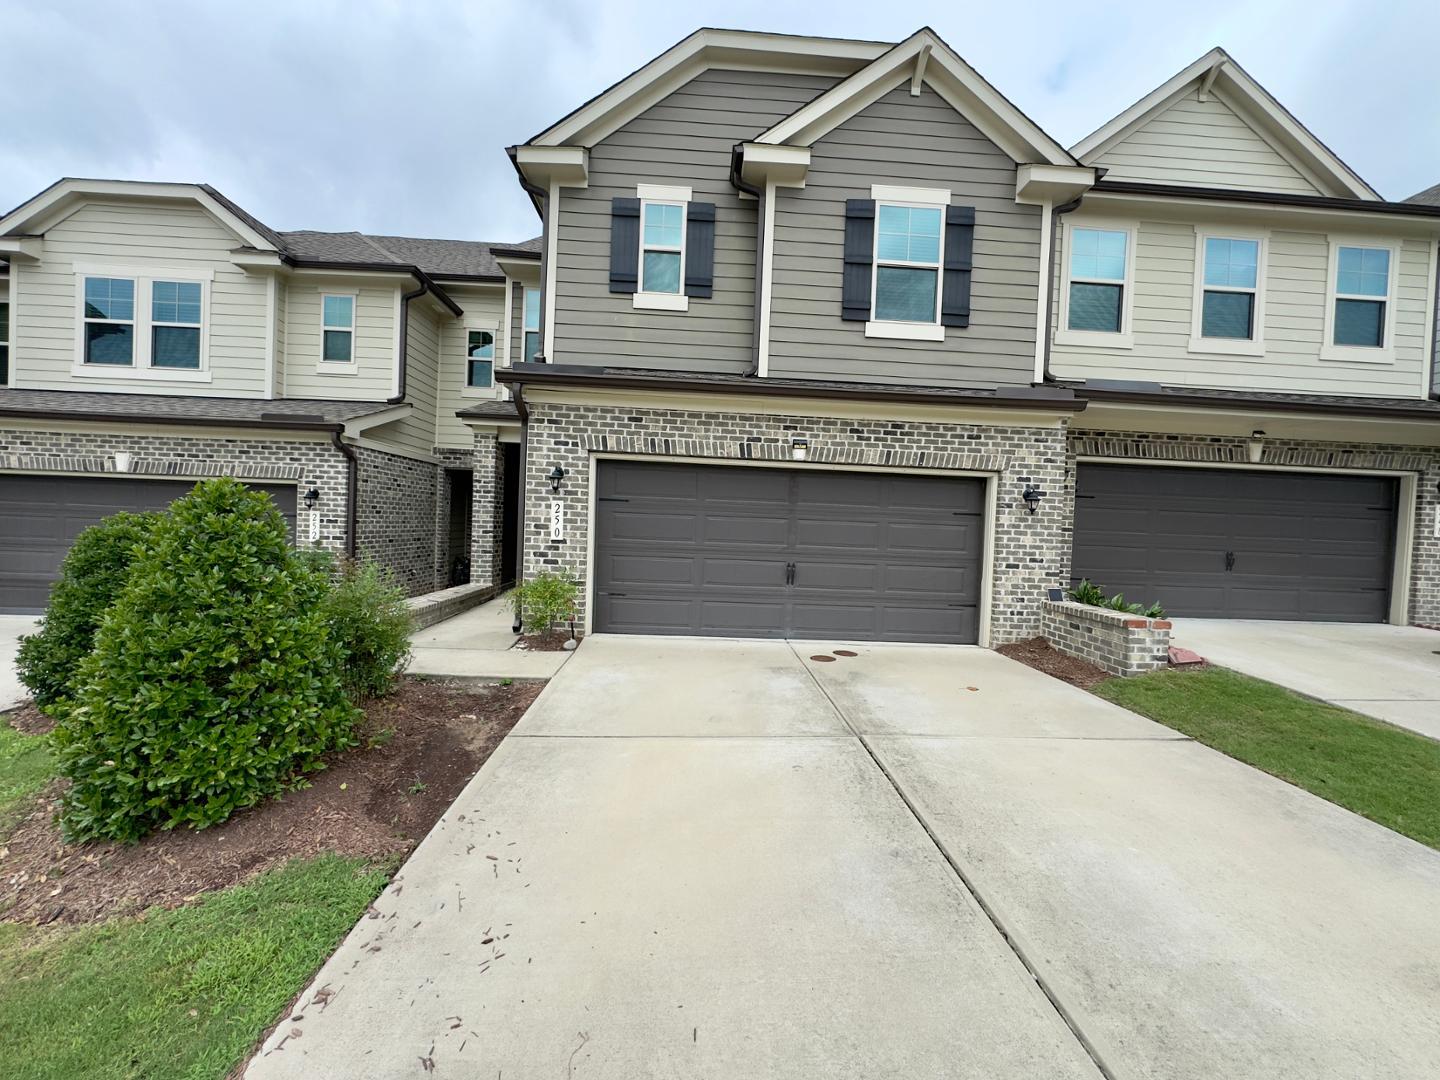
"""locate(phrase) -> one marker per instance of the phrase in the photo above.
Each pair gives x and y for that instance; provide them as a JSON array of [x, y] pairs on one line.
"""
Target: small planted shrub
[[1087, 592], [91, 577], [543, 601], [366, 613], [214, 680]]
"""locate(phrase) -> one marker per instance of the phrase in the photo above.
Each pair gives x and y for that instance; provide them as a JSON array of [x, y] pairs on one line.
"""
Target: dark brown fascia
[[162, 419], [1041, 398], [1220, 401], [425, 280], [1264, 198]]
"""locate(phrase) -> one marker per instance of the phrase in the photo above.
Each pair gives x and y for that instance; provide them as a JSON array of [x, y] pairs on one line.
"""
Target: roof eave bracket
[[917, 79]]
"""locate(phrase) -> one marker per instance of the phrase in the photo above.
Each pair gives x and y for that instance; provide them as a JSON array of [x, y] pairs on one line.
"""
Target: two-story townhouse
[[834, 342], [154, 334]]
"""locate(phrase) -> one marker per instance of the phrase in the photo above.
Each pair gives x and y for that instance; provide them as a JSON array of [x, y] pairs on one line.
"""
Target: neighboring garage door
[[40, 516], [769, 552], [1229, 543]]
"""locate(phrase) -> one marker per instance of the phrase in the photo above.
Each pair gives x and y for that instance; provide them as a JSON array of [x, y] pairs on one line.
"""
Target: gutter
[[1265, 198], [403, 360], [524, 411], [161, 419], [1313, 408], [1059, 399], [737, 159], [352, 490]]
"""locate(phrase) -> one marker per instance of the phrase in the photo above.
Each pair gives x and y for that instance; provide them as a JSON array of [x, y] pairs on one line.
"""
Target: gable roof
[[438, 258], [704, 49], [923, 56], [1429, 197], [1218, 71]]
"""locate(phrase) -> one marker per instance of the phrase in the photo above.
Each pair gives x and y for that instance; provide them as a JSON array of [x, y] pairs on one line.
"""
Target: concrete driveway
[[721, 859], [1389, 672], [12, 692]]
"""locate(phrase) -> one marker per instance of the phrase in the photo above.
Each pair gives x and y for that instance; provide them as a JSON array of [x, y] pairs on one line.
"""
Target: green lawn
[[174, 994], [26, 765], [1386, 774]]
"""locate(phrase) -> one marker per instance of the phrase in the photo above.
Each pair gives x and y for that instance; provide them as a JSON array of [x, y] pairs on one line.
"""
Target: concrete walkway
[[12, 691], [724, 859], [480, 644], [1389, 672]]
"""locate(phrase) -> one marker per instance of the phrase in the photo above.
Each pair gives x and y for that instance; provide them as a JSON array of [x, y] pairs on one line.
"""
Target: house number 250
[[557, 520]]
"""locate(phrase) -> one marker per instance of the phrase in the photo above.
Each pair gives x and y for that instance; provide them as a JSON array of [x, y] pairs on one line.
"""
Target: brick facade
[[398, 518], [445, 556], [487, 542], [1031, 551], [1121, 644], [1423, 603]]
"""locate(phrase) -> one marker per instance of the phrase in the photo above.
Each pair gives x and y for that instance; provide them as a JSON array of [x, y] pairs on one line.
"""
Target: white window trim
[[1359, 354], [1098, 339], [920, 199], [140, 366], [658, 195], [525, 292], [482, 392], [340, 367], [9, 331], [1252, 346]]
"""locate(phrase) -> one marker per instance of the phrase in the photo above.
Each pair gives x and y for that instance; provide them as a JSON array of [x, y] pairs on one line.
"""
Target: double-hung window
[[530, 327], [175, 324], [337, 329], [908, 242], [4, 344], [1361, 297], [154, 326], [1095, 297], [1229, 296], [109, 321], [479, 358], [662, 247]]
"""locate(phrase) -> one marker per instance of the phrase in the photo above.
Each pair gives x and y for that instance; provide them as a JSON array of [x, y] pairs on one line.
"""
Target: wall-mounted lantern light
[[1256, 446], [312, 498], [1032, 496], [799, 448], [557, 474]]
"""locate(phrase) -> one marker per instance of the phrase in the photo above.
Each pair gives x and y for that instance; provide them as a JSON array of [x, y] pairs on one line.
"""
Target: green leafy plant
[[1090, 594], [1154, 611], [214, 680], [91, 577], [366, 613], [543, 601]]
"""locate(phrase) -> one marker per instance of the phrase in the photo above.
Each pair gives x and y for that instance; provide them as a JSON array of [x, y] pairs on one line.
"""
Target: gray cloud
[[393, 117]]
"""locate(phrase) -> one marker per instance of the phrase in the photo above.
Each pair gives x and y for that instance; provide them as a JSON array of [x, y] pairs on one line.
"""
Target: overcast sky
[[392, 117]]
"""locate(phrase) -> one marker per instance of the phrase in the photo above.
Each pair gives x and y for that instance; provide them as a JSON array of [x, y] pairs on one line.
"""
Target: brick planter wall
[[1121, 643], [1031, 551]]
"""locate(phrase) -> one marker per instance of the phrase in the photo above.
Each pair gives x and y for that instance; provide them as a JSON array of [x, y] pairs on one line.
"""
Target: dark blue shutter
[[959, 260], [624, 245], [699, 249], [859, 257]]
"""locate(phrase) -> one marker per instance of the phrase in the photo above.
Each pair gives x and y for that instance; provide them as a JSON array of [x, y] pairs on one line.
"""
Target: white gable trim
[[59, 200], [1218, 74], [949, 76], [705, 49]]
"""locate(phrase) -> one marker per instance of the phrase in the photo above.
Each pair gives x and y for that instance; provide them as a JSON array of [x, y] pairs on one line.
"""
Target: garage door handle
[[789, 573], [1229, 560]]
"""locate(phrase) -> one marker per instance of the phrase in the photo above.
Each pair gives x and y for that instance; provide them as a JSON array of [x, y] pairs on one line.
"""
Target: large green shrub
[[366, 613], [90, 579], [214, 680], [543, 601]]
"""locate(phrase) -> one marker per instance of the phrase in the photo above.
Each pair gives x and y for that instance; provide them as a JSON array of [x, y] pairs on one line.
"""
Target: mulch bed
[[550, 641], [1039, 654], [420, 746], [28, 720]]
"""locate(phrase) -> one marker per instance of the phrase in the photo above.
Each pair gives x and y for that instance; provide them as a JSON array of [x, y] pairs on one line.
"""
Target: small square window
[[110, 298], [109, 343], [1095, 307], [1228, 315], [905, 294], [1360, 323], [1097, 254]]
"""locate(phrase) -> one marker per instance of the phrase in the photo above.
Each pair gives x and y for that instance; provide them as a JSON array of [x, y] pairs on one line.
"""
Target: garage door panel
[[859, 543], [1304, 545]]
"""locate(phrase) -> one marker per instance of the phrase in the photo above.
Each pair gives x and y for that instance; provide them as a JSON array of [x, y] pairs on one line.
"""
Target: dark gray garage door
[[763, 552], [1225, 543], [40, 516]]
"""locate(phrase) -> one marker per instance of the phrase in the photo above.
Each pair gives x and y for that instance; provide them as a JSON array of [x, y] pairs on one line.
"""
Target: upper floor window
[[109, 321], [662, 246], [1361, 295], [531, 326], [154, 326], [175, 324], [479, 358], [4, 344], [338, 318], [1099, 261], [907, 263], [1229, 304]]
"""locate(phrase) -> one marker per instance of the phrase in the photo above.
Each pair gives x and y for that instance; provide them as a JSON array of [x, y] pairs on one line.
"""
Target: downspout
[[1050, 298], [1433, 390], [736, 160], [404, 357], [541, 196], [524, 411], [352, 490]]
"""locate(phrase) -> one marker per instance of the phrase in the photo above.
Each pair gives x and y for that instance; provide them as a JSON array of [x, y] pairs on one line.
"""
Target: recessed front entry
[[773, 552], [1238, 544]]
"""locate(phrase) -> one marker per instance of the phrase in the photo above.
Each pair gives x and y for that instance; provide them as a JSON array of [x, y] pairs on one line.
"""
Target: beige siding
[[685, 139], [415, 432], [484, 310], [140, 236], [1297, 276], [1204, 144], [282, 296], [373, 376]]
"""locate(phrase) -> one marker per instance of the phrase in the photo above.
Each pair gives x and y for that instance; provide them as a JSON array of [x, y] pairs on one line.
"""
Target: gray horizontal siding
[[918, 142], [685, 139]]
